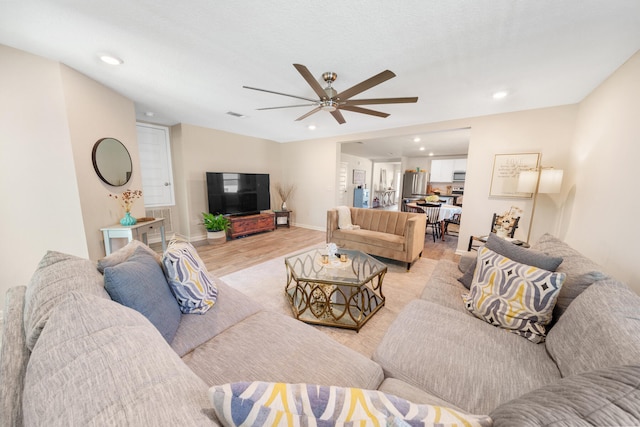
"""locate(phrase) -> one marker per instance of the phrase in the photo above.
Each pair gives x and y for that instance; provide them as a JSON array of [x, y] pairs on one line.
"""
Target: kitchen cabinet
[[442, 170], [460, 165]]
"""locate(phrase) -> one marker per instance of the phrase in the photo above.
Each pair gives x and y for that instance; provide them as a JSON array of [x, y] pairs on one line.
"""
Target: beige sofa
[[389, 234]]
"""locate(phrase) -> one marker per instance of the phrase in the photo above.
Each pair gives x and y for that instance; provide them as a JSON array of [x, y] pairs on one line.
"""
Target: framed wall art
[[506, 169], [359, 176]]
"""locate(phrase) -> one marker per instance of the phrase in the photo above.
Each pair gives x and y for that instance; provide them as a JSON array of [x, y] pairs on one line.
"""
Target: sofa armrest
[[332, 223], [414, 233]]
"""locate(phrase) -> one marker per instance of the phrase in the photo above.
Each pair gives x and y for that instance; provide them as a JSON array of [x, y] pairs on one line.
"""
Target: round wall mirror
[[112, 161]]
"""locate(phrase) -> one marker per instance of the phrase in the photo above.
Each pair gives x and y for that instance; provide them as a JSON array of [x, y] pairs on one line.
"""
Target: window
[[155, 165]]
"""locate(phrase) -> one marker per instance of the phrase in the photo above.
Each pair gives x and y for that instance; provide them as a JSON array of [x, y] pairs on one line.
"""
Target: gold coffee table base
[[341, 295]]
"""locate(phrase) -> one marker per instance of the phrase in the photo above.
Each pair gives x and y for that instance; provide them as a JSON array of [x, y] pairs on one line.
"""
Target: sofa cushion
[[270, 346], [412, 393], [443, 288], [268, 404], [373, 238], [517, 253], [513, 296], [598, 330], [100, 363], [491, 366], [189, 279], [14, 357], [609, 397], [125, 252], [581, 271], [389, 222], [56, 275], [139, 283], [231, 307]]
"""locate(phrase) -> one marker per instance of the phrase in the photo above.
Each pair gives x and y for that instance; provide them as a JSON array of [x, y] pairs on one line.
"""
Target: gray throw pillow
[[515, 253], [139, 283]]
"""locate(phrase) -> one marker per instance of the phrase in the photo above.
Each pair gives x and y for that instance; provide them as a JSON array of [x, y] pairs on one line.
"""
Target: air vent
[[231, 113]]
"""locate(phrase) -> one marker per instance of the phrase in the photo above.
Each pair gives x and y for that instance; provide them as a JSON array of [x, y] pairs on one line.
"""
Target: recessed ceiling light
[[111, 60], [421, 148], [431, 154], [311, 127], [149, 114], [416, 139], [500, 94]]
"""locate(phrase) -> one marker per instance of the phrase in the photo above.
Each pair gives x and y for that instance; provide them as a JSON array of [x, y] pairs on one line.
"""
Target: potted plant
[[216, 226]]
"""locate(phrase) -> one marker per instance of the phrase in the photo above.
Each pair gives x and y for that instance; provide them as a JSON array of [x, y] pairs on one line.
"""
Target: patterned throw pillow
[[517, 297], [268, 404], [188, 278]]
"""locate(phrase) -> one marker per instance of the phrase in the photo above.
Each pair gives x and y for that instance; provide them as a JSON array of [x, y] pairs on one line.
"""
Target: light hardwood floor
[[238, 254]]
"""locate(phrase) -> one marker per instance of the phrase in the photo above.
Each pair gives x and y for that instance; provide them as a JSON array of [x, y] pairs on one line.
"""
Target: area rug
[[265, 283]]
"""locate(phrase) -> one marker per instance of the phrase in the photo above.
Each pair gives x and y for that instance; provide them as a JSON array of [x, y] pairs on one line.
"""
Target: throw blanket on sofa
[[344, 219]]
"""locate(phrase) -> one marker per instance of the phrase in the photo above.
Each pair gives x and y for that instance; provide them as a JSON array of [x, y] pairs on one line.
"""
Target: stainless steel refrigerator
[[414, 184]]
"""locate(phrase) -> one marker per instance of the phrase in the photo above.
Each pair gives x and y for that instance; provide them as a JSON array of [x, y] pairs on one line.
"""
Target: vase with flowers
[[284, 191], [126, 199]]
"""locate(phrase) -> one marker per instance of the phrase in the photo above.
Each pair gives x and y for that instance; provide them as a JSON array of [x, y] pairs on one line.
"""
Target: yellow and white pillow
[[281, 404], [514, 296]]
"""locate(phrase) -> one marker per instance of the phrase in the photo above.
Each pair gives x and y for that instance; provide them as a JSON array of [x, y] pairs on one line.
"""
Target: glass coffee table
[[334, 292]]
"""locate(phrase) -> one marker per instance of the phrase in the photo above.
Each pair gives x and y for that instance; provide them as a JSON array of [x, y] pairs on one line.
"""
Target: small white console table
[[138, 231]]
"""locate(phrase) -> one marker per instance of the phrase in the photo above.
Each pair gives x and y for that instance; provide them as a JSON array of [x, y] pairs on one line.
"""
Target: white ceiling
[[186, 61]]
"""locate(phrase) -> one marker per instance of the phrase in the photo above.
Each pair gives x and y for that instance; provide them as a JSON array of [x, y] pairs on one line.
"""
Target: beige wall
[[603, 207], [197, 150], [548, 131], [52, 198], [95, 112], [40, 196], [311, 166]]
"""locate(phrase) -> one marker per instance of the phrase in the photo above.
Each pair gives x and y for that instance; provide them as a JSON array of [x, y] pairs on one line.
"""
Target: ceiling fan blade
[[304, 116], [367, 84], [381, 101], [306, 74], [364, 111], [280, 93], [338, 116], [287, 106]]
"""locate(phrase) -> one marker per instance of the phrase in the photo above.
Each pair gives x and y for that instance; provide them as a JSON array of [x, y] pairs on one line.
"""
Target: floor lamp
[[535, 181]]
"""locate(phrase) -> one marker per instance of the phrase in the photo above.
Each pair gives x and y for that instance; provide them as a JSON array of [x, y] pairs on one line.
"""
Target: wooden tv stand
[[251, 224]]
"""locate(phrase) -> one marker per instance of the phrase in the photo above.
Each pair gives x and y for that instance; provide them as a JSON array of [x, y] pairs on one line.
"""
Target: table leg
[[442, 230], [107, 242], [164, 242]]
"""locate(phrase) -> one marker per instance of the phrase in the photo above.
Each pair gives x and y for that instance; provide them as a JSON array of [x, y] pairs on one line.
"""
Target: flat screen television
[[238, 193]]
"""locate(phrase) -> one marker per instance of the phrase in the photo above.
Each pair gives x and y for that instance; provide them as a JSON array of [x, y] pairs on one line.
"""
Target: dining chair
[[495, 225], [433, 215], [455, 219]]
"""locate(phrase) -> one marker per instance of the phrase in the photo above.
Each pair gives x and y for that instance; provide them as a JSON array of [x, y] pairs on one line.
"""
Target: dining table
[[446, 212]]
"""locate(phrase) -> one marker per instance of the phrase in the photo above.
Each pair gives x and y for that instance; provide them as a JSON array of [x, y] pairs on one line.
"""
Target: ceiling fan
[[332, 101]]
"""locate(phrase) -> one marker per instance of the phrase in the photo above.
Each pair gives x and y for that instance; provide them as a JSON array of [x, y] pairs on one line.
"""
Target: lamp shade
[[527, 181], [550, 181]]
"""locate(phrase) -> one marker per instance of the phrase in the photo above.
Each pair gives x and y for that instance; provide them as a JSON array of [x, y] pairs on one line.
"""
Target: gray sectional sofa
[[586, 373], [72, 356]]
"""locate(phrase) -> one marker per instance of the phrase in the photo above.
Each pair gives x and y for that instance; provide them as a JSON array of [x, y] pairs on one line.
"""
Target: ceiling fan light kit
[[332, 101]]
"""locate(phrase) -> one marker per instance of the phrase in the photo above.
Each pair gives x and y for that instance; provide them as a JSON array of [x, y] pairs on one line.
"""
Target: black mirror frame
[[97, 168]]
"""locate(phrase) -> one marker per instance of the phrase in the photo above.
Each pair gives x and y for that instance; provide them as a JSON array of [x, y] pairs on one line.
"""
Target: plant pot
[[216, 237]]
